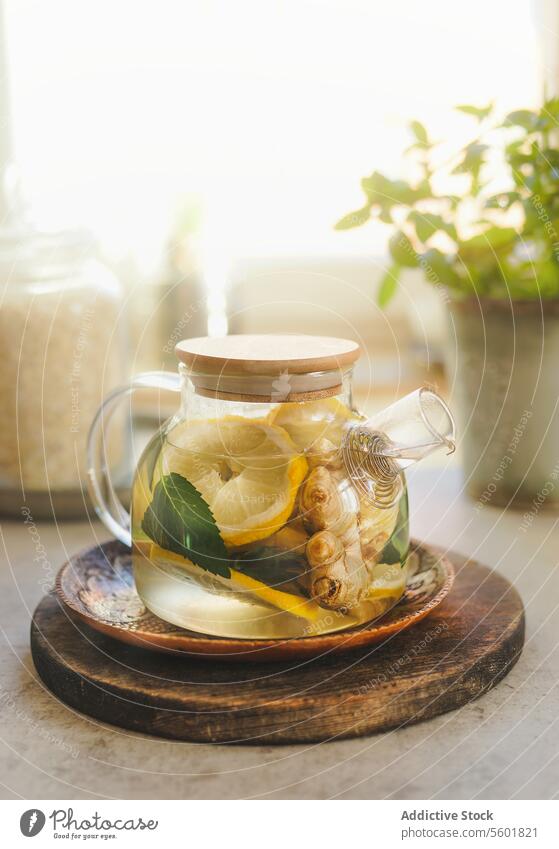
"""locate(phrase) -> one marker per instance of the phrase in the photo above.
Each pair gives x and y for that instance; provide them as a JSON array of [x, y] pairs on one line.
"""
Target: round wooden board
[[462, 649]]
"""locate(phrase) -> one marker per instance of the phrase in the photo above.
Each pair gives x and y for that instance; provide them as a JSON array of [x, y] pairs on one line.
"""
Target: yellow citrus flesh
[[248, 472], [307, 422], [389, 581]]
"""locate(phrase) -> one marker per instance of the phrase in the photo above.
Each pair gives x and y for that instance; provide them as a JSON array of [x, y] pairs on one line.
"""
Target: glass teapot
[[268, 506]]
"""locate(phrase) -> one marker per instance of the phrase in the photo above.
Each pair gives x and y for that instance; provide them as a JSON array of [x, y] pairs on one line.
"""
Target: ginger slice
[[339, 576]]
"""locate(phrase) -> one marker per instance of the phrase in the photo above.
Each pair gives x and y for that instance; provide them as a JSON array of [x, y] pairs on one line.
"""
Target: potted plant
[[483, 225]]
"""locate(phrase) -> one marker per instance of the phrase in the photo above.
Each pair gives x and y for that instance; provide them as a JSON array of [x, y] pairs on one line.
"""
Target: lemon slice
[[389, 581], [248, 472], [307, 422], [377, 523]]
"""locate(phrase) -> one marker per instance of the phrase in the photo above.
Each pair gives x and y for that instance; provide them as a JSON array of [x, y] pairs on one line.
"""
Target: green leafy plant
[[179, 520], [496, 234]]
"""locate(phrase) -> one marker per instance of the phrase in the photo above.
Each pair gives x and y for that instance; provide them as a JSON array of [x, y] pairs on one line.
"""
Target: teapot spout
[[377, 451]]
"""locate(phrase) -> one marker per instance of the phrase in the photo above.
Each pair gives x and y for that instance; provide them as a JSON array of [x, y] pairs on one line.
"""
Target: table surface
[[504, 745]]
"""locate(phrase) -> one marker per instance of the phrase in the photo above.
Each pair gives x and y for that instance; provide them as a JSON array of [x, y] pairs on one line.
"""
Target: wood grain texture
[[267, 354], [267, 368], [461, 650]]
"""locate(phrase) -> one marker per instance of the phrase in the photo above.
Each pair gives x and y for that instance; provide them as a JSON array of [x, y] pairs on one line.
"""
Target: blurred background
[[209, 149], [212, 146]]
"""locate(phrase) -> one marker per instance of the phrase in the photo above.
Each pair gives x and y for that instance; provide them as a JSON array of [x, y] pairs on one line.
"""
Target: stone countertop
[[504, 745]]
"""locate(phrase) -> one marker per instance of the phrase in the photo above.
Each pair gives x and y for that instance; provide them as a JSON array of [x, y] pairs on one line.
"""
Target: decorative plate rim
[[193, 644]]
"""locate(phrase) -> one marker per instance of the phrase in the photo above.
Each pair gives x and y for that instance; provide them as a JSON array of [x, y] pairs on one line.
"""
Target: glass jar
[[268, 506], [59, 349]]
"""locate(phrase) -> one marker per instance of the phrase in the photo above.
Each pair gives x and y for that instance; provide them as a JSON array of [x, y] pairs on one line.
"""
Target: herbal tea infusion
[[258, 517]]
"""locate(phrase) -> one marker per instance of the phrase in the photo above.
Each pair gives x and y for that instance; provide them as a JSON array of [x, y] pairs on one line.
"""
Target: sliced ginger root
[[339, 576]]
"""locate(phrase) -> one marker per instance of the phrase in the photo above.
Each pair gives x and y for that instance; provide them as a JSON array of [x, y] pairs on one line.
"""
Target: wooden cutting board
[[461, 650]]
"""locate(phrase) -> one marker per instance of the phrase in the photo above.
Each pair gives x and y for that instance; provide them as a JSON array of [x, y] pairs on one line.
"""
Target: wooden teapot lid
[[267, 367]]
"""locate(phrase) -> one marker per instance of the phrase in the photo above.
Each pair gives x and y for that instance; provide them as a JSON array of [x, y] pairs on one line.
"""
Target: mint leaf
[[388, 286], [524, 118], [396, 549], [419, 132], [273, 567], [179, 520], [481, 113], [354, 219]]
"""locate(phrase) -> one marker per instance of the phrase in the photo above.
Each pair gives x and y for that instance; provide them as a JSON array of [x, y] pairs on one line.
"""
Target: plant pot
[[505, 366]]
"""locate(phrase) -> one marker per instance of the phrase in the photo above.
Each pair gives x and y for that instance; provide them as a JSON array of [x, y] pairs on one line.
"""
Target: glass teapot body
[[269, 515], [246, 523]]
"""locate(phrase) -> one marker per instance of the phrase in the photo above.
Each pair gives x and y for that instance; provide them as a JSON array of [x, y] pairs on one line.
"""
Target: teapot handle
[[106, 502]]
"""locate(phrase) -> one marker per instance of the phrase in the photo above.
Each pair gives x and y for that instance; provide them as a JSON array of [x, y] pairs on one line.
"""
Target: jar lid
[[267, 367]]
